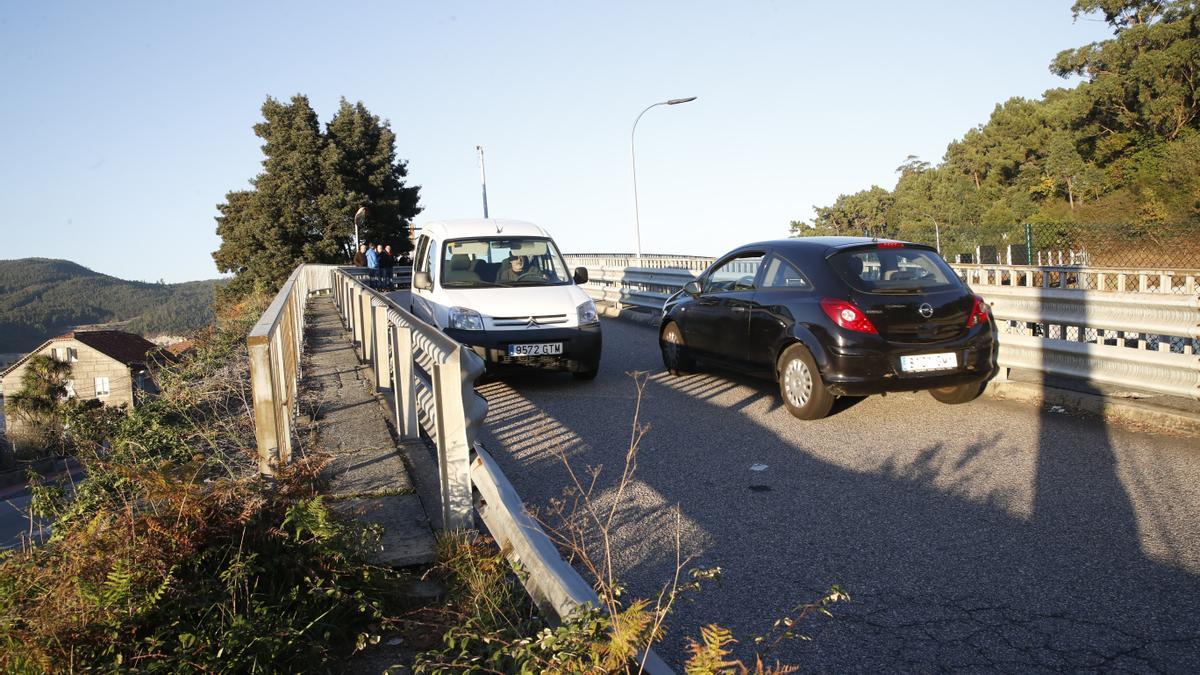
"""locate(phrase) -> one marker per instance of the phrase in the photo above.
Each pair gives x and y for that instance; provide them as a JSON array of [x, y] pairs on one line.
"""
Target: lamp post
[[637, 218], [483, 180], [360, 217]]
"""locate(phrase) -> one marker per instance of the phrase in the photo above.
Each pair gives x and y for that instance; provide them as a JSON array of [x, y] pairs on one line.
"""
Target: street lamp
[[360, 217], [637, 218], [482, 180]]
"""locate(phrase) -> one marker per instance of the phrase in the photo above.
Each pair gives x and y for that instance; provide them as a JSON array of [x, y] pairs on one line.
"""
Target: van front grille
[[530, 321]]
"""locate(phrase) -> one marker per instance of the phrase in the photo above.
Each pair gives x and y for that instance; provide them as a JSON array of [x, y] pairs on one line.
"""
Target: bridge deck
[[996, 535], [367, 477]]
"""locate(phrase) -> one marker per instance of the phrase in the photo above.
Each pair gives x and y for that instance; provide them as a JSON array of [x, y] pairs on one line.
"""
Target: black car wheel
[[674, 360], [963, 393], [800, 385]]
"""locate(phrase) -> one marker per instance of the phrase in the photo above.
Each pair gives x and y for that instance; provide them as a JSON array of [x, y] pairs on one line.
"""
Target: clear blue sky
[[126, 123]]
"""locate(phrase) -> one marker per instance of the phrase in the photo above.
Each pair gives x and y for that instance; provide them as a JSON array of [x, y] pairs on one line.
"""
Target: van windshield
[[893, 270], [490, 262]]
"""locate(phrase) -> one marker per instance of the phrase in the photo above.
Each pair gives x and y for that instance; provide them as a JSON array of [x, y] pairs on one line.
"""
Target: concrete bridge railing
[[1137, 328], [275, 344], [430, 378]]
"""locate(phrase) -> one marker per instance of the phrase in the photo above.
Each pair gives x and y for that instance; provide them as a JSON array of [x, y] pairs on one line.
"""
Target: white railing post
[[364, 313], [403, 385], [356, 317], [265, 428], [381, 363], [454, 451]]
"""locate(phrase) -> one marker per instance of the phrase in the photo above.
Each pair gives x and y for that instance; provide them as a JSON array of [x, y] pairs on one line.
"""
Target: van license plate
[[541, 349], [924, 362]]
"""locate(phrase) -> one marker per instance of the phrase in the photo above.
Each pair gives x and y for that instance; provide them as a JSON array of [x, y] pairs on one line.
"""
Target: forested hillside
[[40, 298], [1120, 149]]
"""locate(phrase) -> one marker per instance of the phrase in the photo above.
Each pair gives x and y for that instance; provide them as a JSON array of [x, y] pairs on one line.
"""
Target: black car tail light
[[979, 313], [846, 315]]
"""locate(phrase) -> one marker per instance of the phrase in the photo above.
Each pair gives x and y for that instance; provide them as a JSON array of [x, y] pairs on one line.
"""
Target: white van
[[502, 287]]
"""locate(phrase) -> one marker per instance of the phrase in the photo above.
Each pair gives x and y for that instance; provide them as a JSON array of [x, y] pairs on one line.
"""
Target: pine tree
[[302, 205]]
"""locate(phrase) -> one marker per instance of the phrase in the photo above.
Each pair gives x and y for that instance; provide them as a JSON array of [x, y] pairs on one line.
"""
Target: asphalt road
[[992, 536], [15, 528]]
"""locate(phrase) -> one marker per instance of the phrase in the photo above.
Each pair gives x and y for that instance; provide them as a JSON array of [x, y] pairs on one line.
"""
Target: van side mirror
[[581, 275], [422, 281], [692, 288]]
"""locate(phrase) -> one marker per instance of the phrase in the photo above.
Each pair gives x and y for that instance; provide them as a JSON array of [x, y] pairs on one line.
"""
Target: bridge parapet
[[1137, 328], [275, 344], [431, 379]]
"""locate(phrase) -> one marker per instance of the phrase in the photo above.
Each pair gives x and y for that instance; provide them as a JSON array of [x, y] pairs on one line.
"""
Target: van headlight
[[462, 318], [587, 313]]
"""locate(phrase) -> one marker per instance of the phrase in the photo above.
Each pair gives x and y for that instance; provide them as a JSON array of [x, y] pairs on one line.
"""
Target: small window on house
[[57, 354], [102, 386], [72, 355]]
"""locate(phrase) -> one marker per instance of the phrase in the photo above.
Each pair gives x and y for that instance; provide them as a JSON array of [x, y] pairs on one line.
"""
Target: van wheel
[[963, 393], [674, 359], [800, 385]]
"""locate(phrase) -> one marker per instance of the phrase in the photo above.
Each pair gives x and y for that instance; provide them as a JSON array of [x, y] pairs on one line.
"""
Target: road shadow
[[957, 553]]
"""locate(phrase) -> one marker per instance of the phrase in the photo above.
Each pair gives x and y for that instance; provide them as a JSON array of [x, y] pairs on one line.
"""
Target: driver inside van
[[513, 269]]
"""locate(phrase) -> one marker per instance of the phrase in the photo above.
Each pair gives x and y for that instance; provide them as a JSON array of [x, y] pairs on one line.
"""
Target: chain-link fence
[[1106, 246]]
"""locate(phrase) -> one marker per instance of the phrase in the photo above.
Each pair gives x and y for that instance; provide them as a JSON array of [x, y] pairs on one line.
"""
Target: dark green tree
[[301, 206], [1121, 147], [361, 170]]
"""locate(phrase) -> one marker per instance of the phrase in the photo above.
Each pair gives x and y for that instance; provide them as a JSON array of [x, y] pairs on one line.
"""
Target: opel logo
[[926, 310]]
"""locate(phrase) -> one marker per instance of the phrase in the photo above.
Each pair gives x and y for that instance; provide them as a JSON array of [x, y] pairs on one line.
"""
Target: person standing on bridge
[[360, 258], [386, 263], [372, 265]]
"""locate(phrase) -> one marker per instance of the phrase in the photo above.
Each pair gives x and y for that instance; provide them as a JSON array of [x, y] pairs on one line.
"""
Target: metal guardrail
[[1136, 328], [1114, 279], [432, 381], [556, 588], [646, 282], [432, 378]]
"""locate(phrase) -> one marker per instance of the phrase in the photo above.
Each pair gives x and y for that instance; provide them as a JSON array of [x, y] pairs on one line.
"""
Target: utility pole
[[483, 179]]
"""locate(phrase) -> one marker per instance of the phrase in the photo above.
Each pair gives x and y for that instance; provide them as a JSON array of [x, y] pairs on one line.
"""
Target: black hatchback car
[[834, 316]]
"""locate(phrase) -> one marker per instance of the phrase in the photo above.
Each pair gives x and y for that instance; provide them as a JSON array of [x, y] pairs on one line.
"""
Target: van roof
[[481, 227]]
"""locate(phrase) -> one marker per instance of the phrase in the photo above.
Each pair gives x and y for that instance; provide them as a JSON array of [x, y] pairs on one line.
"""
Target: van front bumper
[[581, 347]]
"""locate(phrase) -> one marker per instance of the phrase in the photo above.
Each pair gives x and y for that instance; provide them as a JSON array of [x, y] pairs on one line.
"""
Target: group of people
[[379, 261]]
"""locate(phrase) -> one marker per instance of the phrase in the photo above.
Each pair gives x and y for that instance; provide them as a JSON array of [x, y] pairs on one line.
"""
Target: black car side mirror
[[581, 275], [692, 288], [422, 281]]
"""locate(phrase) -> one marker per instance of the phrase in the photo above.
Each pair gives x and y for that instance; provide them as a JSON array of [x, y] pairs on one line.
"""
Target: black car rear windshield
[[893, 270]]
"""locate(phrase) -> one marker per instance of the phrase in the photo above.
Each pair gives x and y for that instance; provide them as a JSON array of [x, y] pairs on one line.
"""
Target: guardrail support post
[[265, 427], [363, 312], [403, 385], [382, 365], [356, 316], [454, 451]]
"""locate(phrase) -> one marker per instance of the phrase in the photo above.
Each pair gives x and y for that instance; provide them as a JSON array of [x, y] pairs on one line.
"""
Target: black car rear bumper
[[581, 347], [862, 371]]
